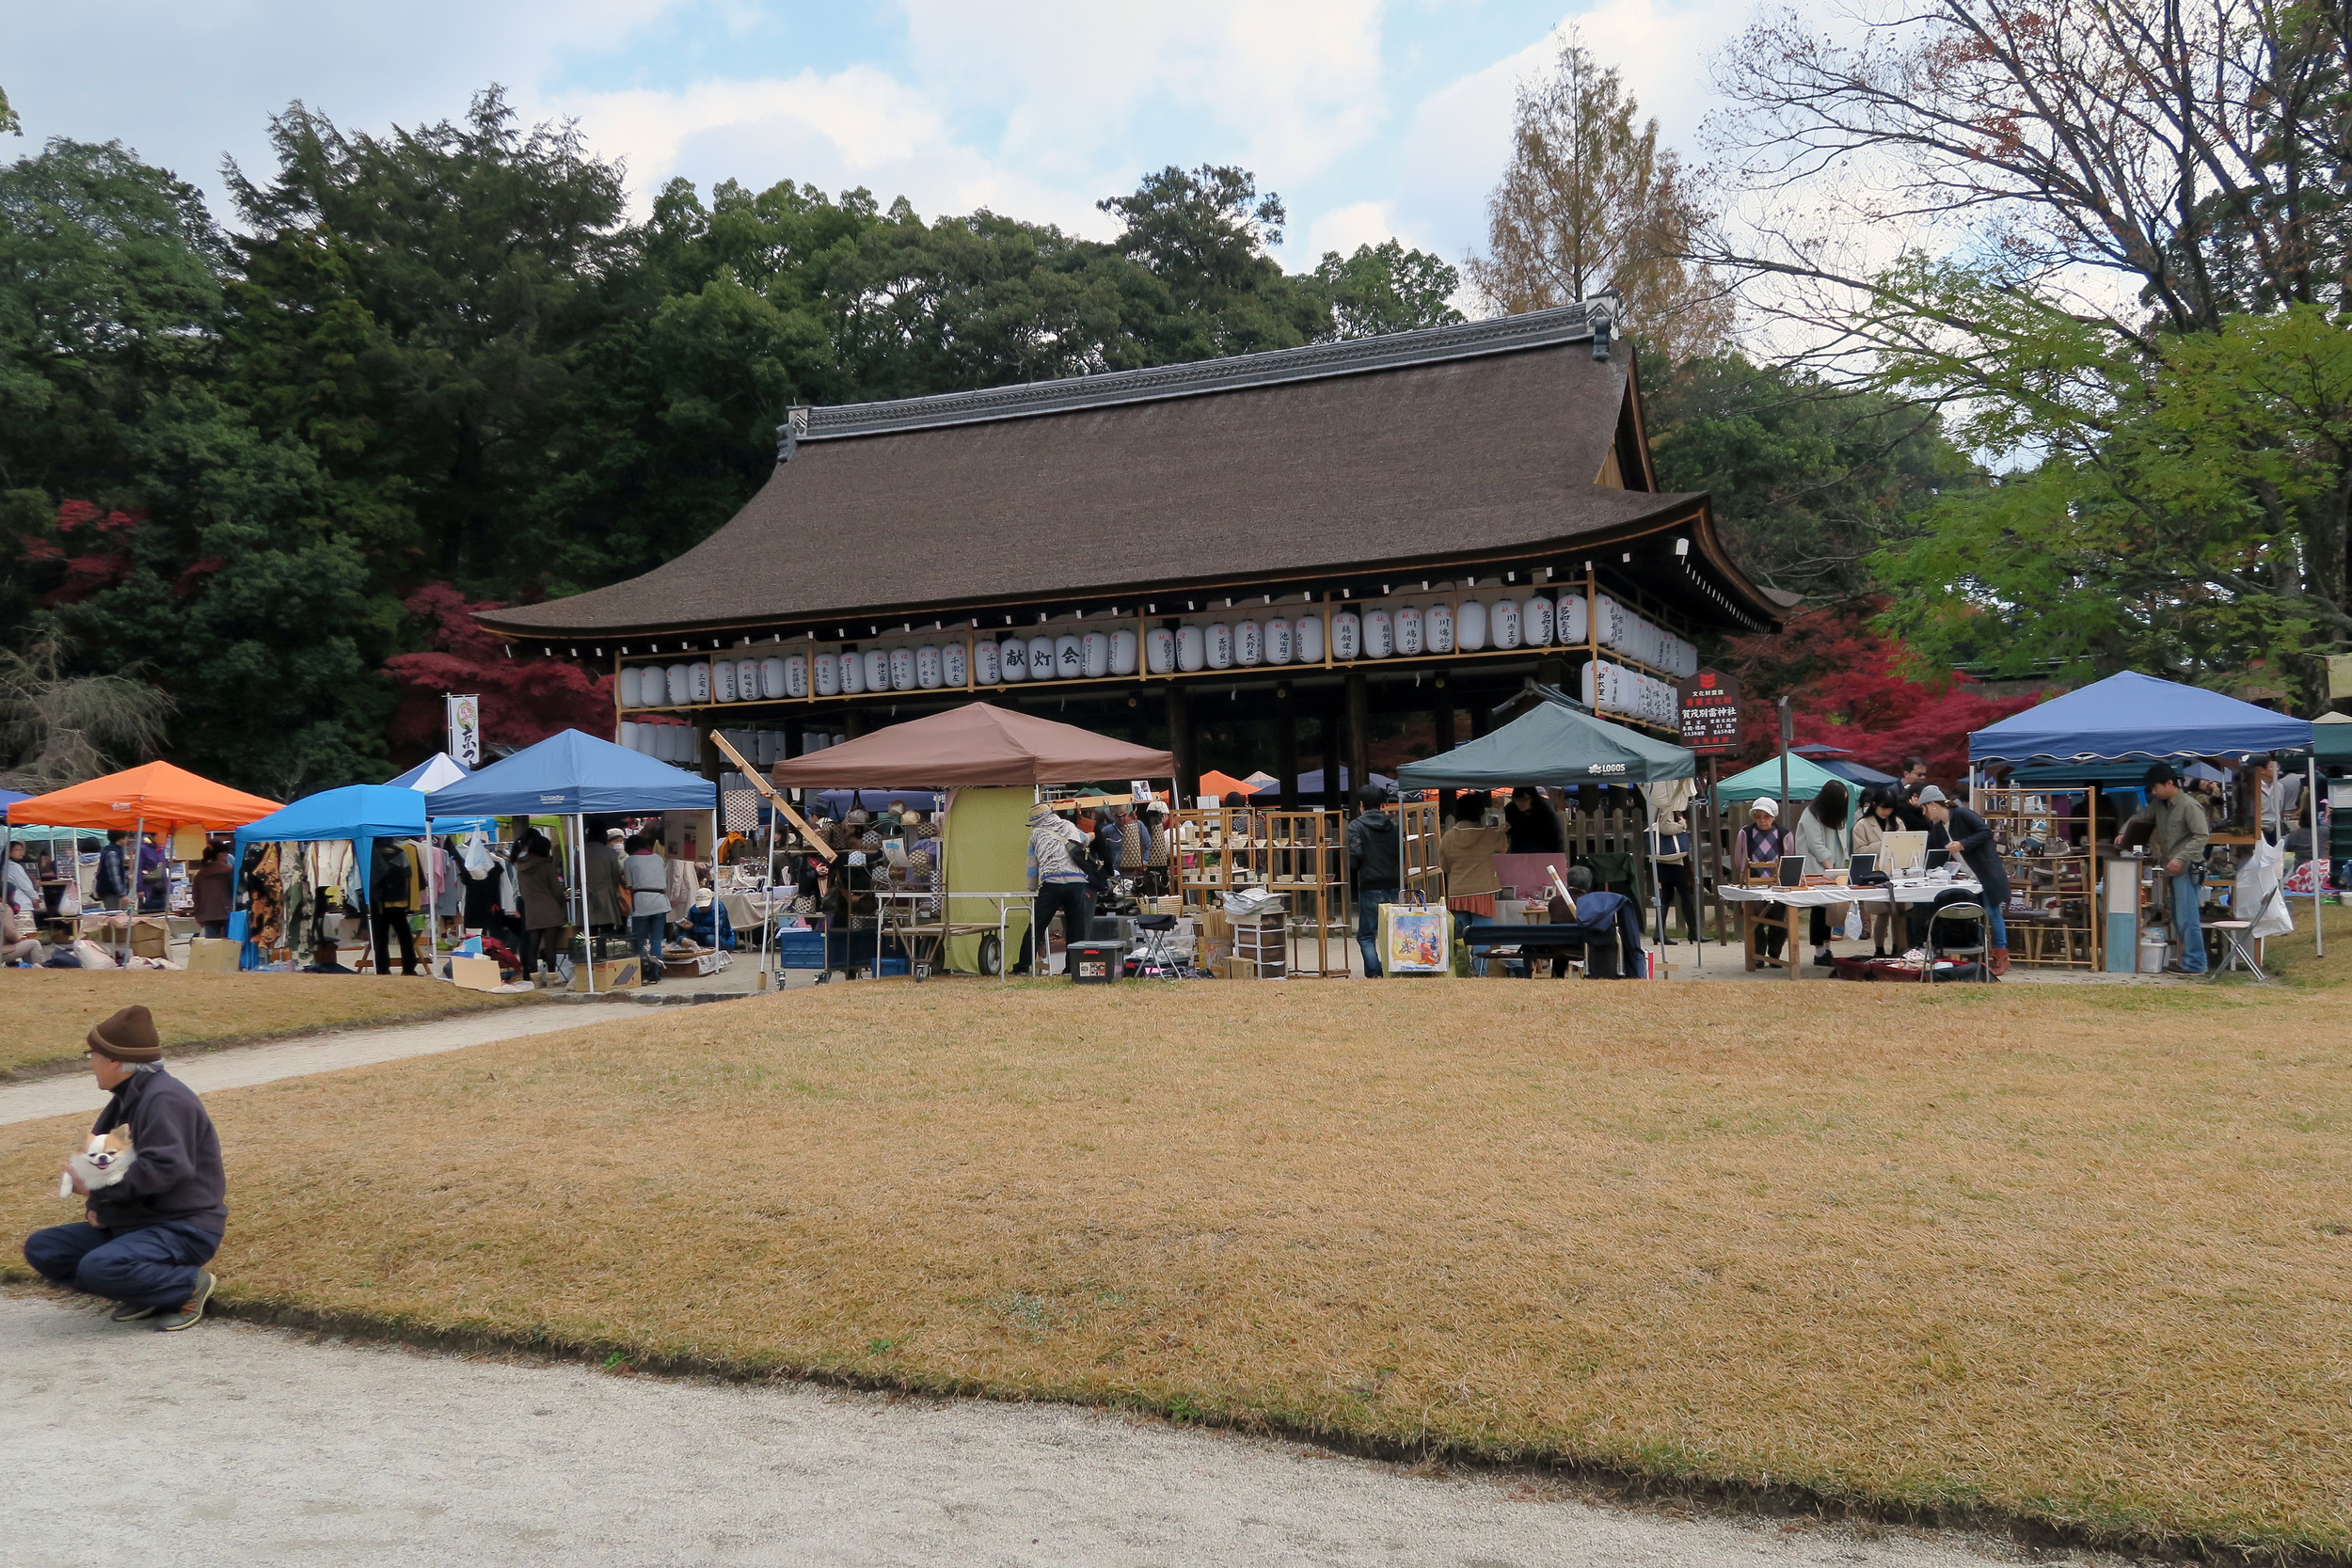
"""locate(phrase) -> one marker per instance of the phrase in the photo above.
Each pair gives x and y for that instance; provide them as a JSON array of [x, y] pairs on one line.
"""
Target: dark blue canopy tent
[[574, 775]]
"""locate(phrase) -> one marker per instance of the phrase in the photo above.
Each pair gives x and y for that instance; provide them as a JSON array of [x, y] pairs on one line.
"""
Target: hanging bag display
[[1416, 938]]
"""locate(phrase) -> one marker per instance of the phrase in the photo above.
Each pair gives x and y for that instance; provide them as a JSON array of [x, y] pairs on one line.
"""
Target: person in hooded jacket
[[1376, 862], [1533, 826]]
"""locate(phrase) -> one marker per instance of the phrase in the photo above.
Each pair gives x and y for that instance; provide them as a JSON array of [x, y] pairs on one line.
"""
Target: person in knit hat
[[143, 1240]]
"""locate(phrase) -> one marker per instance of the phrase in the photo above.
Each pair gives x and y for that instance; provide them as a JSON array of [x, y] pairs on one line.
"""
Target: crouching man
[[145, 1239]]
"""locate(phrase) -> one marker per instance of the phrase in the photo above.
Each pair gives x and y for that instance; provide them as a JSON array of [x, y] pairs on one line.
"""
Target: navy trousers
[[153, 1266]]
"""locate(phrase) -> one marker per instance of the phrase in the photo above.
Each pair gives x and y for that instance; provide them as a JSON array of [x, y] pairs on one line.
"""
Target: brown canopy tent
[[977, 744]]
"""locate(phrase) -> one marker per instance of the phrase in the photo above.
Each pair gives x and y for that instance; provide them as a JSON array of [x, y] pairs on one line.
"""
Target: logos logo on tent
[[1606, 768], [551, 800]]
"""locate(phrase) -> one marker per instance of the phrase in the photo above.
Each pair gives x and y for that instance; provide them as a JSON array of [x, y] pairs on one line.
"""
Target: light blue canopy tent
[[360, 813], [432, 773], [574, 775]]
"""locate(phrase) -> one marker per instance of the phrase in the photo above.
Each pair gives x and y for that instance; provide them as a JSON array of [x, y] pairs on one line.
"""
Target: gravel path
[[235, 1444], [207, 1071]]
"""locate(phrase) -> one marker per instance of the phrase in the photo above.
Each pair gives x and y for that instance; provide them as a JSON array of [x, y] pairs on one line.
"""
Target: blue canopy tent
[[1838, 760], [360, 813], [2132, 716], [432, 773], [573, 774]]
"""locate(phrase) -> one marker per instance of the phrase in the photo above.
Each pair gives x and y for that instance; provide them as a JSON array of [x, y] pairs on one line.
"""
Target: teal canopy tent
[[1553, 745], [1805, 779]]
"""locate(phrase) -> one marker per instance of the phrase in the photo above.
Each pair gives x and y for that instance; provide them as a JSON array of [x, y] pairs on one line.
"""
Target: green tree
[[1208, 287], [1386, 288], [1809, 480]]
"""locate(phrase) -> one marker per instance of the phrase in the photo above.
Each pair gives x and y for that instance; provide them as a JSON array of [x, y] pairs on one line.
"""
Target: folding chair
[[1964, 914], [2233, 936]]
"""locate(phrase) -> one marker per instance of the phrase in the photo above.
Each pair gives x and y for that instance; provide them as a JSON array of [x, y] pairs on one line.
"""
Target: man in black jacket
[[145, 1240], [1972, 841], [1376, 863]]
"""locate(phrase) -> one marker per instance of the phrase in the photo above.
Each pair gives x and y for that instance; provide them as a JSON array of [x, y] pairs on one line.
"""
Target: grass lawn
[[2292, 959], [44, 1013], [2078, 1255]]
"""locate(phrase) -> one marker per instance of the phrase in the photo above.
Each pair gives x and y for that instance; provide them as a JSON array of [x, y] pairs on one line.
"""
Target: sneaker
[[126, 1313], [2177, 968], [188, 1312]]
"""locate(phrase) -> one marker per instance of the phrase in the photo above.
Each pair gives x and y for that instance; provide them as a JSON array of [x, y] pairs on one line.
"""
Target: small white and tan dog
[[105, 1162]]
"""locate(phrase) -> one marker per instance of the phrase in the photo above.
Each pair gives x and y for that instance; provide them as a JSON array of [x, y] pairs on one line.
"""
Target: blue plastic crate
[[800, 949]]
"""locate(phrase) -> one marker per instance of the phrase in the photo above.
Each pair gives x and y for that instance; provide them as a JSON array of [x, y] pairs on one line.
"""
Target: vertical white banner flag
[[465, 730]]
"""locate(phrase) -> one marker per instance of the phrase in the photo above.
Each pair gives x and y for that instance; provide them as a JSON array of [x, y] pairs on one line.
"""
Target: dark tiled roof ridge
[[1565, 323]]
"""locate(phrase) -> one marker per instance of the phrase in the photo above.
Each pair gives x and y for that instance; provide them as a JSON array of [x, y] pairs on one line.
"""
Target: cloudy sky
[[1370, 118]]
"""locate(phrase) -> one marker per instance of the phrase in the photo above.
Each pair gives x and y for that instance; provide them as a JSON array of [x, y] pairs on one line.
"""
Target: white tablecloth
[[1909, 890]]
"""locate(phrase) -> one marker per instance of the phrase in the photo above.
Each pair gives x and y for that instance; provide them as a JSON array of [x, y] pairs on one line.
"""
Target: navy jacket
[[1972, 837], [1606, 915], [175, 1173]]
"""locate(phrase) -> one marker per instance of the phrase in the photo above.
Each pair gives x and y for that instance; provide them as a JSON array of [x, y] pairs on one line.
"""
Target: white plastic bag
[[1853, 923], [2251, 896]]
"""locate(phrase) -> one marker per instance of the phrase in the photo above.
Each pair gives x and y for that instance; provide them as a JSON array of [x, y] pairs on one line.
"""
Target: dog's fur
[[105, 1162]]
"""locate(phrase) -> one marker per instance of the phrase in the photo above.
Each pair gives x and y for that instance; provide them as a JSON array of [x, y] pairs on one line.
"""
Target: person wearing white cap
[[1755, 852]]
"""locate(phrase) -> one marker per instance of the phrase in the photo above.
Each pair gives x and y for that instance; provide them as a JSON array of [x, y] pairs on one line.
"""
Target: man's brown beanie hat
[[128, 1036]]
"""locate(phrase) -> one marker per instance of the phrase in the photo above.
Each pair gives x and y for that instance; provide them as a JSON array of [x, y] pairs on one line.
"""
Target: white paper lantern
[[1440, 623], [877, 668], [1069, 657], [902, 669], [852, 673], [1094, 654], [699, 674], [1012, 659], [1535, 621], [1249, 643], [1191, 647], [722, 680], [1408, 631], [749, 686], [928, 666], [1379, 634], [826, 670], [1503, 623], [1043, 663], [1572, 620], [629, 738], [1123, 653], [1347, 636], [627, 684], [679, 682], [986, 670], [1307, 633], [787, 679], [1220, 645], [955, 664], [1470, 629], [1159, 650]]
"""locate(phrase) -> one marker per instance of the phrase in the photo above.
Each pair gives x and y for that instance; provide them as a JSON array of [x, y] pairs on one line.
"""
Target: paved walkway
[[233, 1443], [209, 1070]]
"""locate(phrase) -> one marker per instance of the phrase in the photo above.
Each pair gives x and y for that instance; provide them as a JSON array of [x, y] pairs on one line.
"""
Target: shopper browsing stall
[[1870, 828], [394, 879], [214, 883], [547, 909], [1533, 826], [1061, 888], [2178, 835], [1971, 838], [1376, 857], [1821, 839]]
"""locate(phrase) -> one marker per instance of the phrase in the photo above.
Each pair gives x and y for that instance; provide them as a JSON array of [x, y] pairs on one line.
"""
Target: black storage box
[[1094, 963]]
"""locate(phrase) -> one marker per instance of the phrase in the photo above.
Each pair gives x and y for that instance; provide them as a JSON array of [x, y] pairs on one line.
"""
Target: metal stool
[[1155, 963]]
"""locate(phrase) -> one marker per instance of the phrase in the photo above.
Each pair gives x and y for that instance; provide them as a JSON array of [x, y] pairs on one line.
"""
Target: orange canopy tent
[[155, 796], [1222, 784]]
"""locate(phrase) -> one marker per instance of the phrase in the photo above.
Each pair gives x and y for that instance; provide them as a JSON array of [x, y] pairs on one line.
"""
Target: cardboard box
[[472, 973], [150, 937], [609, 974], [213, 955]]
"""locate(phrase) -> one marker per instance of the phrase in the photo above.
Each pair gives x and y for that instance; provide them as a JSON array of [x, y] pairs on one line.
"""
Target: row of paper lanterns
[[1613, 689], [1379, 632], [682, 743]]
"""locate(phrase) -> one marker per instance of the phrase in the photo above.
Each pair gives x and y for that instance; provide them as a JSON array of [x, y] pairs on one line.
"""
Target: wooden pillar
[[1442, 721], [1481, 717], [1554, 672], [1359, 731], [853, 723], [1182, 742], [1286, 747], [1333, 753]]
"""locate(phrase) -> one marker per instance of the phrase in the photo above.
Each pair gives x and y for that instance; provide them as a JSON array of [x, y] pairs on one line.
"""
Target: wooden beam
[[782, 806]]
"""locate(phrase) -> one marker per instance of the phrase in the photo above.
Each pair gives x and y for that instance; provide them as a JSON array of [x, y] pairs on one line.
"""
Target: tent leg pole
[[2320, 862], [138, 893], [587, 941]]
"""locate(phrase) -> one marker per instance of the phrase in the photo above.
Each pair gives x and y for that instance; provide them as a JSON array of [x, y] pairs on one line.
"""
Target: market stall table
[[1896, 894]]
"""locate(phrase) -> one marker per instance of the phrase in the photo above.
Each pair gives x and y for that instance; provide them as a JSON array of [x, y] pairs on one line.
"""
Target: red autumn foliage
[[523, 699], [95, 568], [1848, 687]]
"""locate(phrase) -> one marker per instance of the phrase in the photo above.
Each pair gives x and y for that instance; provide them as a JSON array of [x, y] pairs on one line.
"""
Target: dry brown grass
[[2081, 1255], [44, 1013]]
